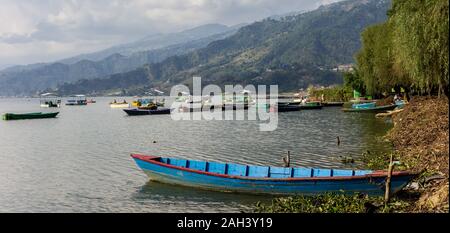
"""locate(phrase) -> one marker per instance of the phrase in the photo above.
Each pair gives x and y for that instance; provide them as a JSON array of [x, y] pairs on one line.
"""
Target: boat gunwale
[[374, 174]]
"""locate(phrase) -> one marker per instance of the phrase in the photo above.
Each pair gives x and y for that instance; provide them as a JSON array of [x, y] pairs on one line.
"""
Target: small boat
[[148, 101], [332, 104], [400, 103], [77, 100], [123, 104], [286, 107], [311, 105], [371, 109], [140, 112], [50, 100], [119, 105], [364, 105], [232, 177], [153, 107], [33, 115], [91, 101], [234, 106], [191, 106]]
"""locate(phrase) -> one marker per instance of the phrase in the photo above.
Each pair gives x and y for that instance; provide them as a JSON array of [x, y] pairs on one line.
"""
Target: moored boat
[[375, 109], [142, 102], [311, 105], [364, 105], [267, 179], [123, 104], [286, 107], [33, 115], [332, 104], [234, 106], [140, 112], [50, 100], [77, 100]]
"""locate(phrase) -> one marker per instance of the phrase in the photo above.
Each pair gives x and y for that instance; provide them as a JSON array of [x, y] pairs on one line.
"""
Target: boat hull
[[288, 108], [119, 105], [234, 107], [371, 110], [141, 112], [372, 185], [333, 104], [50, 105], [310, 107], [76, 104], [12, 116]]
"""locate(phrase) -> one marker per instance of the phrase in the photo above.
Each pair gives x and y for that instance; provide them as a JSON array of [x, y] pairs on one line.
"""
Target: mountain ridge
[[25, 80], [293, 52]]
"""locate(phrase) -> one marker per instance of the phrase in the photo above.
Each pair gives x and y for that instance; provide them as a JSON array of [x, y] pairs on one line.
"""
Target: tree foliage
[[410, 49], [353, 81], [331, 94]]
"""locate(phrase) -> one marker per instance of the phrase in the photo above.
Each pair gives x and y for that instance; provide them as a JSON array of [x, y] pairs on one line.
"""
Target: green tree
[[353, 81], [409, 50]]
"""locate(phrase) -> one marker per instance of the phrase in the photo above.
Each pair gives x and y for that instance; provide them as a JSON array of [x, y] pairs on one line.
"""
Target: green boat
[[33, 115], [372, 109]]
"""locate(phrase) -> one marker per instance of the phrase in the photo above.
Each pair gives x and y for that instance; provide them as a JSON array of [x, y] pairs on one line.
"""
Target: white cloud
[[46, 30]]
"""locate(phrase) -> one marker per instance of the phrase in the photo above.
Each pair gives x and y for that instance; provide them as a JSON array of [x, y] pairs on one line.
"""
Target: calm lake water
[[80, 161]]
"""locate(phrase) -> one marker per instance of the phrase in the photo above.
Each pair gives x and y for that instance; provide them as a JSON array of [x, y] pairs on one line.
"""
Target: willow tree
[[376, 59], [420, 42], [410, 49]]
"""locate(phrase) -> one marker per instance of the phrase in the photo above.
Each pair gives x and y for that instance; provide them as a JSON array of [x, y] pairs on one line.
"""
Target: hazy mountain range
[[292, 51], [27, 79]]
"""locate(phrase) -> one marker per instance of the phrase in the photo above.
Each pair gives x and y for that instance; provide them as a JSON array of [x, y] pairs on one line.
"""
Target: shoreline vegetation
[[421, 143], [407, 52]]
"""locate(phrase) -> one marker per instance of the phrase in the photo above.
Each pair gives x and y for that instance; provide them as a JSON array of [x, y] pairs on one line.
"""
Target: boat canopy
[[49, 95]]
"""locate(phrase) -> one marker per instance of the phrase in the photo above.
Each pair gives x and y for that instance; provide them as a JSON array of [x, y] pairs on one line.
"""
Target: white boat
[[50, 100], [123, 104], [77, 100]]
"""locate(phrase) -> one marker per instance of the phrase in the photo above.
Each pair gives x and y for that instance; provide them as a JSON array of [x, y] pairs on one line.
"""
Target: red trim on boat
[[375, 174]]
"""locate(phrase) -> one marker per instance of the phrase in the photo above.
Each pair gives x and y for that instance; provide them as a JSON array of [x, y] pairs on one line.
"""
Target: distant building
[[344, 68]]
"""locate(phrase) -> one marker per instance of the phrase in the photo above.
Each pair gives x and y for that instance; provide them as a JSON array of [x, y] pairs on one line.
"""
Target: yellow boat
[[136, 103], [144, 102]]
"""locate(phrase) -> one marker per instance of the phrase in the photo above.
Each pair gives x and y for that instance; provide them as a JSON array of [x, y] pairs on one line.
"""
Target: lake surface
[[80, 161]]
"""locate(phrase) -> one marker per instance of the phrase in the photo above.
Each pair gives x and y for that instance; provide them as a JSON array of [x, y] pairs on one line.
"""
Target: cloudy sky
[[46, 30]]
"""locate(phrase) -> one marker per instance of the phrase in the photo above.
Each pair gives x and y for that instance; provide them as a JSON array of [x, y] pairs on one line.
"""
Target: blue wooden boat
[[232, 177], [139, 112], [400, 103], [371, 109], [364, 105]]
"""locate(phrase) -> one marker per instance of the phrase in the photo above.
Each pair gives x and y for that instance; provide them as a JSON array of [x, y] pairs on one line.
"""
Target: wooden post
[[388, 180], [287, 159]]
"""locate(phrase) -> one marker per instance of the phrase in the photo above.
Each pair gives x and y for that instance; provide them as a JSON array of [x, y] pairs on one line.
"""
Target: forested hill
[[293, 52]]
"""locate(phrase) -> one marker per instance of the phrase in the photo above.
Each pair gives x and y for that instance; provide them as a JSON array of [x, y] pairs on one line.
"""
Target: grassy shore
[[421, 141]]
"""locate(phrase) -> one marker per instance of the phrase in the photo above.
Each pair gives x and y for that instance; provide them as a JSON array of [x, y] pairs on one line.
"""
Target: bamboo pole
[[388, 180]]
